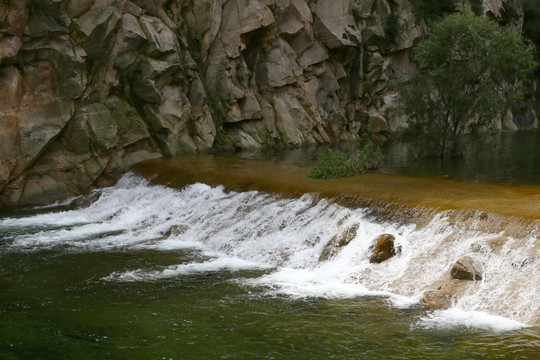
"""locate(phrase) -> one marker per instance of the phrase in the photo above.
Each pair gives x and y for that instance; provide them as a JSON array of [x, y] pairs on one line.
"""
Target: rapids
[[284, 237]]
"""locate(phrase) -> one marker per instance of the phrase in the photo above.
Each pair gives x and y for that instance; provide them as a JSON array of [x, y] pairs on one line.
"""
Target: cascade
[[284, 239]]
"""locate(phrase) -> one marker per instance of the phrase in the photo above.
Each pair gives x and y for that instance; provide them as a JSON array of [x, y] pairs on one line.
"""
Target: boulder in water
[[442, 293], [329, 251], [384, 249], [338, 241], [84, 201], [176, 230], [467, 268], [437, 300]]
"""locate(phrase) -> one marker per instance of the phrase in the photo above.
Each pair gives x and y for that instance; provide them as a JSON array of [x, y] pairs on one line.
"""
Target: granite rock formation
[[90, 87]]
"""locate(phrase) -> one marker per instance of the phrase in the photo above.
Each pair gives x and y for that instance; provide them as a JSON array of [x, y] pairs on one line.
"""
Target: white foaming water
[[223, 263], [251, 230], [473, 319]]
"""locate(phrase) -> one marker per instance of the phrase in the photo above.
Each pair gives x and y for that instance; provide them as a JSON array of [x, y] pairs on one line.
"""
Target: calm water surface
[[514, 159]]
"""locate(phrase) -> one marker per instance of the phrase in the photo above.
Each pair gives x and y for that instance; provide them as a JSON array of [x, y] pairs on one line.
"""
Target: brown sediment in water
[[370, 188]]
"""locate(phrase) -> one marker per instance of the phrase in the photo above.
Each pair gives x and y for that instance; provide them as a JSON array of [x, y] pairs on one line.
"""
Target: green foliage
[[223, 141], [220, 110], [337, 163], [391, 29], [468, 68]]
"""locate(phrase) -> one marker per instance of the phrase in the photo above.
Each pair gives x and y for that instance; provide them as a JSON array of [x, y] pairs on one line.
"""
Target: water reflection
[[514, 159]]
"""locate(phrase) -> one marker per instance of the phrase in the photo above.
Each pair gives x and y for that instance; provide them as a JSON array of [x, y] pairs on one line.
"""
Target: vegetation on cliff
[[470, 70]]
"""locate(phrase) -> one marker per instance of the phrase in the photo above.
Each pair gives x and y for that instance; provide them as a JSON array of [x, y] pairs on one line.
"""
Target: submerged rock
[[329, 252], [384, 249], [176, 230], [467, 268], [437, 300], [338, 241], [442, 294], [84, 201], [520, 264]]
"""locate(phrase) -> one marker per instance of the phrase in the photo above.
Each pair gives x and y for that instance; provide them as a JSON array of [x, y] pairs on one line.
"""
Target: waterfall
[[283, 239]]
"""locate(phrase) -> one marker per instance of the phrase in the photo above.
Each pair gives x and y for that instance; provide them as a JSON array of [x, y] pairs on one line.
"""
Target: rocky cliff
[[90, 87]]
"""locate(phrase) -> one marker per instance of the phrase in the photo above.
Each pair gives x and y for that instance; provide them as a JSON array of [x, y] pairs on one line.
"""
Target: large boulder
[[37, 127], [75, 8], [100, 142], [204, 19], [15, 18], [443, 293], [130, 36], [41, 24], [293, 122], [437, 299], [281, 68], [508, 121], [384, 249], [10, 89], [467, 268]]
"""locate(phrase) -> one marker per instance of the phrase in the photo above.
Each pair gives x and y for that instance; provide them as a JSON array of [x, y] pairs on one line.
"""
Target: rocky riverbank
[[90, 87]]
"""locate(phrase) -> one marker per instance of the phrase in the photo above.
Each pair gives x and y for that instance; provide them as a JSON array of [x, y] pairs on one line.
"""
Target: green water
[[56, 305]]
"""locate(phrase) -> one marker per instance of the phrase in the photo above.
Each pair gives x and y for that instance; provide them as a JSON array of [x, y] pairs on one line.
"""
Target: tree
[[468, 69]]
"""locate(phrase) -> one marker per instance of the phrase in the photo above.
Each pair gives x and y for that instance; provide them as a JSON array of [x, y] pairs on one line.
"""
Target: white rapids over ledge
[[285, 237]]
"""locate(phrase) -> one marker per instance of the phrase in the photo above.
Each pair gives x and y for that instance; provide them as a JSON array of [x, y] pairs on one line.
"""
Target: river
[[154, 269]]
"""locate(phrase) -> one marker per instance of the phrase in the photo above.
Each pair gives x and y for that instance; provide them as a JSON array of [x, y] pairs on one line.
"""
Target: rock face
[[89, 87], [467, 268], [384, 249]]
